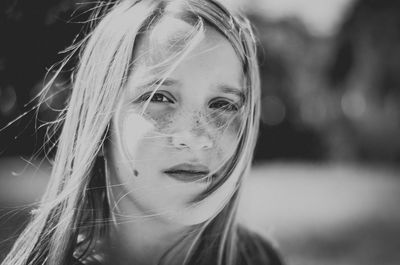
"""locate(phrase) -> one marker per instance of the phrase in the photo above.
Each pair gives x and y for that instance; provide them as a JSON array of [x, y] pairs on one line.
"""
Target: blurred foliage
[[324, 98], [365, 73], [340, 95]]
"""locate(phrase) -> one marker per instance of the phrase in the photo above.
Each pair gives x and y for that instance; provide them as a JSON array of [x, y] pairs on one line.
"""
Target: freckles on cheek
[[226, 124], [163, 121], [226, 133]]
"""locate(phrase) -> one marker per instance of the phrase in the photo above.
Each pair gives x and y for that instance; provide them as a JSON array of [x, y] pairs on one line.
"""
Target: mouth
[[188, 172]]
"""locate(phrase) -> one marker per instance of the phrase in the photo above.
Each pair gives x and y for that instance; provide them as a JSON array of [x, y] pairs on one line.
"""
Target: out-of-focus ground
[[323, 214], [318, 214]]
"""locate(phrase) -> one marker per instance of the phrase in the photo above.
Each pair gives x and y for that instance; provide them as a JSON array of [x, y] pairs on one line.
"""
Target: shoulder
[[254, 249]]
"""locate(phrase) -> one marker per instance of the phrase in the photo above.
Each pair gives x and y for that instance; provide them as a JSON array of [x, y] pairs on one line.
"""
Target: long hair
[[75, 202]]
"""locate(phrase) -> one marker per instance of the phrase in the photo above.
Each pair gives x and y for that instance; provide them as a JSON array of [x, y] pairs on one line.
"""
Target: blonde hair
[[75, 201]]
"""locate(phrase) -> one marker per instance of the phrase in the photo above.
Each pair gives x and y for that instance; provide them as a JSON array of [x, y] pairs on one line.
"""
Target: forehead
[[159, 47], [167, 37], [212, 62]]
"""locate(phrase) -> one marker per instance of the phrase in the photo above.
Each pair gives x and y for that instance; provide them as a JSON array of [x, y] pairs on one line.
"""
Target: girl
[[155, 143]]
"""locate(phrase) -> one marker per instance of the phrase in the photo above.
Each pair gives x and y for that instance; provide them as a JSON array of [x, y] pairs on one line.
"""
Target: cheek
[[226, 133], [225, 125], [137, 137], [134, 129], [163, 121], [235, 124]]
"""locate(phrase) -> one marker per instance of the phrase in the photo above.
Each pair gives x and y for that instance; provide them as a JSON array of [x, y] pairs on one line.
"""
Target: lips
[[188, 172]]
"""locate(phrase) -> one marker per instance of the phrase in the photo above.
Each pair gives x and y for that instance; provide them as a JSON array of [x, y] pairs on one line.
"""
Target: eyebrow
[[232, 90], [221, 87], [160, 82], [168, 82]]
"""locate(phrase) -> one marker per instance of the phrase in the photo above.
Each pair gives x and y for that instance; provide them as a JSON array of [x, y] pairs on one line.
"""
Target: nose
[[191, 141]]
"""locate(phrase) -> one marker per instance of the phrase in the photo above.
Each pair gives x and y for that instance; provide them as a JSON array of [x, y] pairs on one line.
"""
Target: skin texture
[[194, 118]]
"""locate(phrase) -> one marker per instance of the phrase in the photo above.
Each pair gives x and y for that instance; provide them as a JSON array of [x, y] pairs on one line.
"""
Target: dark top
[[256, 250]]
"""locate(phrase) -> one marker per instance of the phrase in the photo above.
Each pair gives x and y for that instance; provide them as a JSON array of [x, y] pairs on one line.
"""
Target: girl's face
[[162, 150]]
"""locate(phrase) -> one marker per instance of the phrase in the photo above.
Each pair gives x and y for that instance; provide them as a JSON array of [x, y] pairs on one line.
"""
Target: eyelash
[[164, 99], [226, 105]]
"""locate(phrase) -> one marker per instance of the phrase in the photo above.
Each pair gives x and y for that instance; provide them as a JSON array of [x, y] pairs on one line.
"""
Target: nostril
[[208, 142], [204, 142], [191, 141]]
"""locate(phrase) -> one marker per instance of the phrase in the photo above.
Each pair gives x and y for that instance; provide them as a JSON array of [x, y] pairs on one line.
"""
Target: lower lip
[[188, 177]]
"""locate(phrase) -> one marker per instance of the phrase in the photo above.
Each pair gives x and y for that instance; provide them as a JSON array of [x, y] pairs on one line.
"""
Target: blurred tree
[[365, 73], [288, 70]]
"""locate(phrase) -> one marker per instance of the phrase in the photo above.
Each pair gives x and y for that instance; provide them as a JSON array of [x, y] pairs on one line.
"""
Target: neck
[[139, 240]]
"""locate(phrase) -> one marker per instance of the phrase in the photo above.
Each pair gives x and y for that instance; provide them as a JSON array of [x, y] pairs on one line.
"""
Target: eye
[[224, 105], [156, 98]]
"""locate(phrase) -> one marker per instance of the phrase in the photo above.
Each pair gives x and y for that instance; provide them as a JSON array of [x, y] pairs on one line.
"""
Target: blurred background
[[325, 187]]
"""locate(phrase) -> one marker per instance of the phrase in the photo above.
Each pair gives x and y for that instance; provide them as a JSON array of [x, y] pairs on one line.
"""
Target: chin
[[196, 213]]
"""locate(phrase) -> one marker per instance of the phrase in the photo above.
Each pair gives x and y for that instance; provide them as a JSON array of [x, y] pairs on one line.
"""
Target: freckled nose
[[192, 141]]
